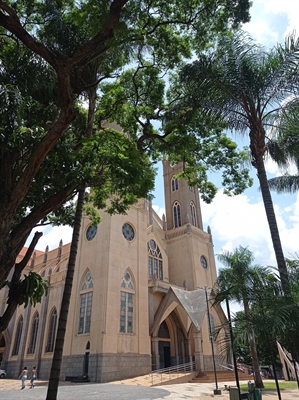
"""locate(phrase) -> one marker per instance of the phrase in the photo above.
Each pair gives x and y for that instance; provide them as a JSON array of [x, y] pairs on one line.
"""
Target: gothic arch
[[127, 313], [51, 329], [33, 330], [83, 276], [132, 276], [174, 184], [85, 303], [18, 336], [177, 214]]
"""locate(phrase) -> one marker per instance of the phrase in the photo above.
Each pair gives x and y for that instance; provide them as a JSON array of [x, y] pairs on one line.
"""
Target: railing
[[167, 374], [240, 367]]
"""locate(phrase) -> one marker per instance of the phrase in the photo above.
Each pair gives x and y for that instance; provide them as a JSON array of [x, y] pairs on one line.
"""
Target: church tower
[[190, 249]]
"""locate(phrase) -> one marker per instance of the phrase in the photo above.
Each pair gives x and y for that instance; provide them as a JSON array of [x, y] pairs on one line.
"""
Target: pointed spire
[[164, 222], [150, 213], [210, 233], [46, 255], [33, 260], [59, 252]]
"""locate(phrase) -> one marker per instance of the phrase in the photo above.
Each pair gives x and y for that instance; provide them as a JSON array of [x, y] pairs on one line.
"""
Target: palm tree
[[243, 84], [284, 149], [66, 298], [237, 282], [62, 322]]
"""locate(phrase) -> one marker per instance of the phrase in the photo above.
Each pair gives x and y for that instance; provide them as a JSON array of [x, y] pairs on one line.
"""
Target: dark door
[[166, 356], [86, 363]]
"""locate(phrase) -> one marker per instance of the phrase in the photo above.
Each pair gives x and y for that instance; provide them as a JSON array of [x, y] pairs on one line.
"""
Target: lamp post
[[232, 344], [216, 391]]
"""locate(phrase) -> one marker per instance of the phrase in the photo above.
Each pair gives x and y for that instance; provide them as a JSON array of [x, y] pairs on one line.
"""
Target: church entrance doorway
[[164, 354], [86, 360]]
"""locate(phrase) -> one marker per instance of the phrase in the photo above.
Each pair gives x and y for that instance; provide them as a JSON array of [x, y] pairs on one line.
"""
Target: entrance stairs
[[222, 376], [167, 376]]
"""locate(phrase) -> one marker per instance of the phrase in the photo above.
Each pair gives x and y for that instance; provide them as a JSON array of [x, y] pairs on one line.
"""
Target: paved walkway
[[10, 390]]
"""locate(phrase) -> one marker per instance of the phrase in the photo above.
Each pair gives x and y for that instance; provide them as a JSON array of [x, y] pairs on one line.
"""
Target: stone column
[[155, 351], [198, 352], [189, 350]]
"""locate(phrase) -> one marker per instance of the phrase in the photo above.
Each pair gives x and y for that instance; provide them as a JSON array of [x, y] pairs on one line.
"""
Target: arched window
[[177, 214], [51, 331], [33, 335], [174, 184], [18, 336], [193, 214], [126, 304], [155, 262], [85, 304], [163, 331]]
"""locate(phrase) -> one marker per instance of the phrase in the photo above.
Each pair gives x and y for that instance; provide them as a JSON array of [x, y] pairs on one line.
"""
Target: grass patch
[[272, 386]]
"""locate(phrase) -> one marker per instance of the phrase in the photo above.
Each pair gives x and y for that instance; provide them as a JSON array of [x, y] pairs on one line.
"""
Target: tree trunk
[[268, 204], [57, 357], [255, 361]]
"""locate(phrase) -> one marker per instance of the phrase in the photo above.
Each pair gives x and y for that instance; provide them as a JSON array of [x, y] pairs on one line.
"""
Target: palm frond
[[285, 183]]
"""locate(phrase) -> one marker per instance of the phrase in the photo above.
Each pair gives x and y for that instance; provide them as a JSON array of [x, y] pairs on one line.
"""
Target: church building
[[138, 299]]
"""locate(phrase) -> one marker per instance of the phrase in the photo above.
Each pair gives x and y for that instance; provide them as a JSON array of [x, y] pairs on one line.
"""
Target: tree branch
[[45, 146], [29, 222], [22, 264], [14, 299], [12, 23], [106, 33]]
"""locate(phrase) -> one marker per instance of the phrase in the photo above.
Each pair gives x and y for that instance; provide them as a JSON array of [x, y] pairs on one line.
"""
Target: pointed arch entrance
[[178, 318], [164, 346]]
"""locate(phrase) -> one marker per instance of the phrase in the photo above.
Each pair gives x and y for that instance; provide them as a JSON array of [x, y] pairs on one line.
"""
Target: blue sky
[[241, 220]]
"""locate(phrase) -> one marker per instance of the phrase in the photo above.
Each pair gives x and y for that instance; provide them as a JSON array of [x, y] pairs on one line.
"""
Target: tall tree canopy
[[53, 55], [244, 84]]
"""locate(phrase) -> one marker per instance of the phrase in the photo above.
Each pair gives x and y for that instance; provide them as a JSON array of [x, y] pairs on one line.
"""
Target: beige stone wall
[[114, 355]]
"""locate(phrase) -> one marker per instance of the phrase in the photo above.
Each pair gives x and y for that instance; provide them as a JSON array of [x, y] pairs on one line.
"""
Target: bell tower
[[181, 201], [190, 249]]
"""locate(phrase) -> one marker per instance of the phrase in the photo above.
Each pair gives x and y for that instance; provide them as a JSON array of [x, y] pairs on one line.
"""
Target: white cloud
[[265, 17], [238, 221], [159, 210], [288, 7], [52, 238], [261, 32]]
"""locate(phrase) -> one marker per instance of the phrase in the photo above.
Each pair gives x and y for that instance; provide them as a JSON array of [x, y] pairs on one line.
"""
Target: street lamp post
[[232, 344], [216, 391]]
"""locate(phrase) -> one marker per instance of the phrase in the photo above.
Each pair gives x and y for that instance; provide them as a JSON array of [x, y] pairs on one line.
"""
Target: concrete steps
[[158, 379], [222, 376]]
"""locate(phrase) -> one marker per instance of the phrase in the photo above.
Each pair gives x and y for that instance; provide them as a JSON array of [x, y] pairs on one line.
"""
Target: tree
[[62, 322], [106, 160], [236, 283], [284, 148], [52, 54], [137, 102], [243, 84]]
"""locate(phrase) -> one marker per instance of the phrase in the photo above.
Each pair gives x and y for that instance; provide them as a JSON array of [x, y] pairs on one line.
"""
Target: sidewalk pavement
[[112, 391]]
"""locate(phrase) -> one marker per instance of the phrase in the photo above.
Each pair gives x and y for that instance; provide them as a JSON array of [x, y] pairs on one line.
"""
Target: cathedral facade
[[139, 296]]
